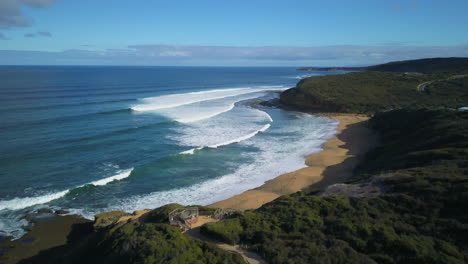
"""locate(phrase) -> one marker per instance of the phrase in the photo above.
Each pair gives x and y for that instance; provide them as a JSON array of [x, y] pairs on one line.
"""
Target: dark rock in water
[[3, 250], [45, 211], [28, 240], [3, 238], [108, 218], [267, 103], [297, 99], [61, 212], [38, 217]]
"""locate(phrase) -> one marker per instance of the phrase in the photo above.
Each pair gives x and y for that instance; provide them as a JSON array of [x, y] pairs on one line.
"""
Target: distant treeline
[[422, 65], [374, 91]]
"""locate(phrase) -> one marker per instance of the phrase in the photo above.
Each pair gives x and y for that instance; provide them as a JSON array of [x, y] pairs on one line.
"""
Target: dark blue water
[[91, 139]]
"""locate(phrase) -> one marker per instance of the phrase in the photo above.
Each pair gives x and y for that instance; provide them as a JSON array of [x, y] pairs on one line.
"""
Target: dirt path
[[248, 256], [422, 86]]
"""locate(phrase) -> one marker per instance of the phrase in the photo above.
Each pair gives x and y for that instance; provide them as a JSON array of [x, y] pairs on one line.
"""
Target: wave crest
[[21, 203], [237, 140]]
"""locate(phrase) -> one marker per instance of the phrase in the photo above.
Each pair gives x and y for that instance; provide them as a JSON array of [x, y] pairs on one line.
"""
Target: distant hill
[[427, 83], [332, 69], [422, 65]]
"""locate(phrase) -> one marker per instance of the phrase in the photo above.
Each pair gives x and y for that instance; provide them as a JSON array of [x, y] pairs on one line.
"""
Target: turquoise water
[[93, 139]]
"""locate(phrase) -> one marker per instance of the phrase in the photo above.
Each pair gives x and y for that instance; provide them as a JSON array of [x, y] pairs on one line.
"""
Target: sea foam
[[229, 142], [24, 202], [283, 154], [176, 100], [194, 107]]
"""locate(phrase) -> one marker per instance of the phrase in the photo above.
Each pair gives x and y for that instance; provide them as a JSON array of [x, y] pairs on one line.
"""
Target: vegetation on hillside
[[423, 65], [420, 168], [371, 92], [422, 164], [148, 242]]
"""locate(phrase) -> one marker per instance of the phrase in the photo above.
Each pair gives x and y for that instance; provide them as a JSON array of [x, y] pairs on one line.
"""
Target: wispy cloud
[[328, 53], [10, 12], [38, 34], [230, 55], [44, 34]]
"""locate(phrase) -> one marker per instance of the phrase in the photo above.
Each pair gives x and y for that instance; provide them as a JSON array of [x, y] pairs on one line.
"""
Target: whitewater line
[[154, 100], [192, 120], [177, 100], [237, 140], [20, 203]]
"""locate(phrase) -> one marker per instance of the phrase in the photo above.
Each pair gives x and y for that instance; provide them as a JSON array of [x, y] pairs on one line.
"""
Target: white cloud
[[10, 12], [227, 55]]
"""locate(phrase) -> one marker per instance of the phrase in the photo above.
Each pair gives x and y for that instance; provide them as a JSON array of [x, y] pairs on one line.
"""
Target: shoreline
[[333, 164]]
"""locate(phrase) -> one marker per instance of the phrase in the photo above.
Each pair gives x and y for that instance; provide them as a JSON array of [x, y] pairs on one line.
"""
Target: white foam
[[118, 177], [198, 106], [20, 203], [303, 137], [268, 117], [176, 100], [202, 116], [236, 123], [190, 151], [240, 139], [303, 76], [236, 140]]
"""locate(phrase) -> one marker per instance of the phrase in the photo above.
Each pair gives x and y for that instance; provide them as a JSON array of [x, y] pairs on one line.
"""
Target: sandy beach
[[334, 164]]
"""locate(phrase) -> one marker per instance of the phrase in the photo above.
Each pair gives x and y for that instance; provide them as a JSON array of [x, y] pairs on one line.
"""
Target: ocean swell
[[24, 202]]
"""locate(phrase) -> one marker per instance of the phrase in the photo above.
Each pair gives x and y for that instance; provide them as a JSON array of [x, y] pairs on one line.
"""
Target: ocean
[[94, 139]]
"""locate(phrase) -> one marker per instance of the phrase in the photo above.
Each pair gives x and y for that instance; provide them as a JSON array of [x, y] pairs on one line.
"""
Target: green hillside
[[421, 170], [371, 92], [424, 65], [152, 241]]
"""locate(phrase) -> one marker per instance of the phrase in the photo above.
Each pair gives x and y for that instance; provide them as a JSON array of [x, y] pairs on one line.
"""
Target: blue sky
[[215, 32]]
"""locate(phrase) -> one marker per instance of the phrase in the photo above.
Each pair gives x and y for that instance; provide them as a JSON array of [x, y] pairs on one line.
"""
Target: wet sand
[[334, 164]]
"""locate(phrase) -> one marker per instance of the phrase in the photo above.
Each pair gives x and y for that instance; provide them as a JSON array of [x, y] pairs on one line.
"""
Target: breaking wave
[[20, 203]]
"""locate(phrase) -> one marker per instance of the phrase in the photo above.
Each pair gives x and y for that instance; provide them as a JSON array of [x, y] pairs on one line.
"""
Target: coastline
[[334, 164]]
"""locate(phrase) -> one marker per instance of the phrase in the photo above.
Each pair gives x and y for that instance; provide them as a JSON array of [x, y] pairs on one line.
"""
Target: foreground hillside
[[420, 216], [145, 240]]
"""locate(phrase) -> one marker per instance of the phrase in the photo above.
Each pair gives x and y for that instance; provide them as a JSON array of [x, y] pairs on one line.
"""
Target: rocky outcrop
[[296, 99], [108, 218]]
